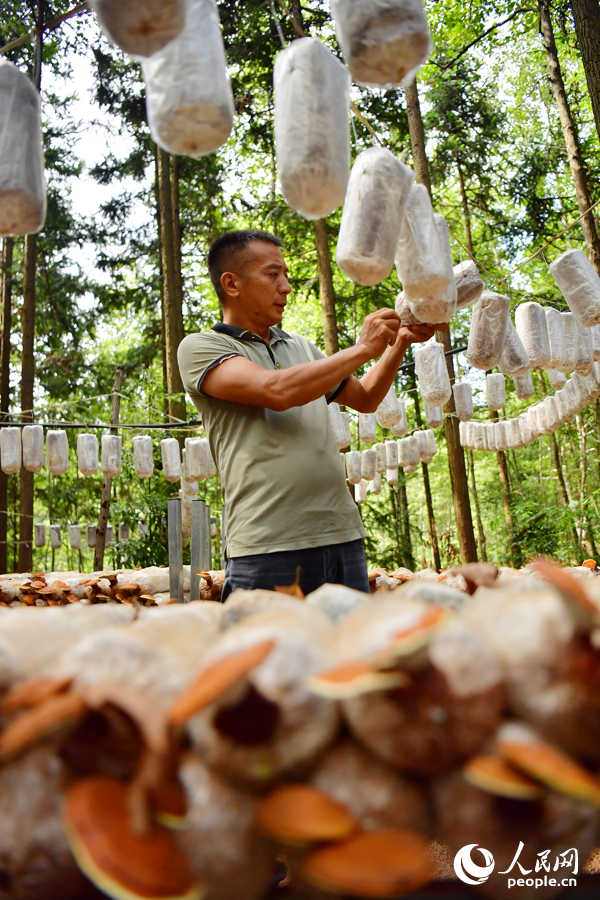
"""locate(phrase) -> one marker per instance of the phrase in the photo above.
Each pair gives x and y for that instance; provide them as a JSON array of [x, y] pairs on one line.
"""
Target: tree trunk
[[326, 291], [407, 551], [564, 494], [465, 206], [6, 300], [456, 456], [28, 332], [505, 491], [571, 137], [428, 496], [173, 312], [417, 135], [480, 531], [586, 14], [107, 483]]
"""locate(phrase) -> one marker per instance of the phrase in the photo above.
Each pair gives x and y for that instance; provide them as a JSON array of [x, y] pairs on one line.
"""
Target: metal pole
[[223, 537], [207, 547], [196, 548], [175, 549]]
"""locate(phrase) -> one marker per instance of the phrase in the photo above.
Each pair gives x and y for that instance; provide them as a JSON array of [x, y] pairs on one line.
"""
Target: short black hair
[[228, 246]]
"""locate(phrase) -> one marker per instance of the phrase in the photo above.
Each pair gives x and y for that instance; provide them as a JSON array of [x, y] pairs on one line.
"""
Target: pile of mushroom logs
[[349, 743]]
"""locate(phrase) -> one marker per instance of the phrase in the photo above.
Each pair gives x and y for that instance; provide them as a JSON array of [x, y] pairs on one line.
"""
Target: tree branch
[[50, 25], [481, 37]]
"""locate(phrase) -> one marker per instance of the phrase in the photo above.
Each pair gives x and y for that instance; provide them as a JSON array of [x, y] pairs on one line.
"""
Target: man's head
[[249, 274]]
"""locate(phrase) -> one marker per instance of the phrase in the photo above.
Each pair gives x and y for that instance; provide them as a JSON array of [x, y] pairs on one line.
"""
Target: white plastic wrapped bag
[[140, 27], [75, 537], [556, 378], [581, 391], [533, 419], [556, 337], [495, 391], [514, 359], [388, 412], [524, 388], [401, 427], [514, 436], [463, 400], [91, 536], [490, 436], [380, 457], [368, 460], [360, 492], [477, 436], [55, 538], [198, 456], [463, 435], [408, 452], [596, 342], [427, 445], [469, 284], [353, 466], [10, 449], [391, 476], [33, 447], [433, 415], [143, 459], [22, 181], [87, 453], [367, 428], [312, 127], [500, 436], [374, 210], [339, 426], [57, 449], [532, 328], [171, 459], [525, 428], [111, 452], [188, 95], [487, 334], [384, 41], [346, 436], [391, 454], [39, 534], [571, 332], [109, 537], [585, 351], [375, 484], [441, 310], [404, 311], [593, 382], [580, 285], [432, 372], [421, 261]]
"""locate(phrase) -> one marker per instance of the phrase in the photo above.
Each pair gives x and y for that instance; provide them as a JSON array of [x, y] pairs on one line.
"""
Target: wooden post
[[326, 291], [6, 300], [107, 484]]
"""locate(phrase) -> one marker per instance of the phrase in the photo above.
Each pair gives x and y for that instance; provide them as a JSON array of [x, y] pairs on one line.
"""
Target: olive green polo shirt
[[283, 485]]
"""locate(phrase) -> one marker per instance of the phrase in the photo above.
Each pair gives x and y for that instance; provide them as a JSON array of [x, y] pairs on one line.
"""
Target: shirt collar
[[244, 334]]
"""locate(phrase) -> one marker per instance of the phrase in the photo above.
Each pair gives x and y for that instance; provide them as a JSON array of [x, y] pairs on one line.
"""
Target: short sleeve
[[198, 354]]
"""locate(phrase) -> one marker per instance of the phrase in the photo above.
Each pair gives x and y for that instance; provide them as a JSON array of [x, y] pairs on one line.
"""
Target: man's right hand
[[379, 331]]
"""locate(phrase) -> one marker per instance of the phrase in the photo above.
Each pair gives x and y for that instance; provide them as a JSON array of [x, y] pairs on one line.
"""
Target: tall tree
[[6, 276], [456, 456], [571, 136], [586, 14]]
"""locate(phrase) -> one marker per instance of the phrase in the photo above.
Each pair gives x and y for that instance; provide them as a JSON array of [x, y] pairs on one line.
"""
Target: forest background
[[502, 125]]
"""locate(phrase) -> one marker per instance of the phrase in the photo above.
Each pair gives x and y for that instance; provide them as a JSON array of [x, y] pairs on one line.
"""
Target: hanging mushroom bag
[[22, 182]]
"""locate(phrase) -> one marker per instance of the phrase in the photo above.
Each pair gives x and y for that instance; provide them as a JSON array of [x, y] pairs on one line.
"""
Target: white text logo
[[470, 872]]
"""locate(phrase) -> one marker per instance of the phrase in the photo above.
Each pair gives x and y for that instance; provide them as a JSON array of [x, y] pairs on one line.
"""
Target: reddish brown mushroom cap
[[354, 678], [217, 679], [123, 864], [496, 776], [299, 814], [56, 713], [31, 693], [371, 864]]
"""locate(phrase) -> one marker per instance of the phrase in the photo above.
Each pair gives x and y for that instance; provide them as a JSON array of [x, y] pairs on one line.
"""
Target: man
[[263, 397]]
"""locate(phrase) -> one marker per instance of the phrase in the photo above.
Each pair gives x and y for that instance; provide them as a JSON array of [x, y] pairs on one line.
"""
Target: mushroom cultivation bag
[[487, 335], [374, 209], [432, 372], [571, 333], [389, 412], [33, 447], [442, 310], [22, 182], [585, 351], [57, 449], [10, 449], [514, 359], [580, 285], [433, 415], [339, 426], [421, 261], [524, 388], [495, 391], [143, 461], [401, 427], [469, 284], [312, 127], [556, 378], [384, 41], [463, 400], [556, 337], [530, 321], [188, 95], [367, 428], [140, 27], [87, 453]]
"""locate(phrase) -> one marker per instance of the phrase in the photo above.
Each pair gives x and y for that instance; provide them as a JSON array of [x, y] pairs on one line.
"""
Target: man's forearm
[[365, 394], [307, 382]]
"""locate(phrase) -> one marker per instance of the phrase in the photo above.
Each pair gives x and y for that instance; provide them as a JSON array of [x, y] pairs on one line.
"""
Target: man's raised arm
[[242, 381]]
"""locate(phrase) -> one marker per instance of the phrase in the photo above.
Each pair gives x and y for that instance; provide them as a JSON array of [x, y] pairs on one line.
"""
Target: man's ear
[[230, 282]]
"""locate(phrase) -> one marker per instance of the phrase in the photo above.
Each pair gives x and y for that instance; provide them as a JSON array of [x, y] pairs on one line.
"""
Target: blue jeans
[[334, 564]]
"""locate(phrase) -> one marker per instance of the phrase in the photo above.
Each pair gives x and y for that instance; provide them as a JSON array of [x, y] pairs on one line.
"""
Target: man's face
[[262, 283]]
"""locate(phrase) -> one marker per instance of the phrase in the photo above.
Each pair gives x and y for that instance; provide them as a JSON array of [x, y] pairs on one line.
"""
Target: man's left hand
[[418, 333]]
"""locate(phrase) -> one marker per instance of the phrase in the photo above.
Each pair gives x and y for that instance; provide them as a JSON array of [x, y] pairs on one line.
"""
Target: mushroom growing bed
[[280, 746]]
